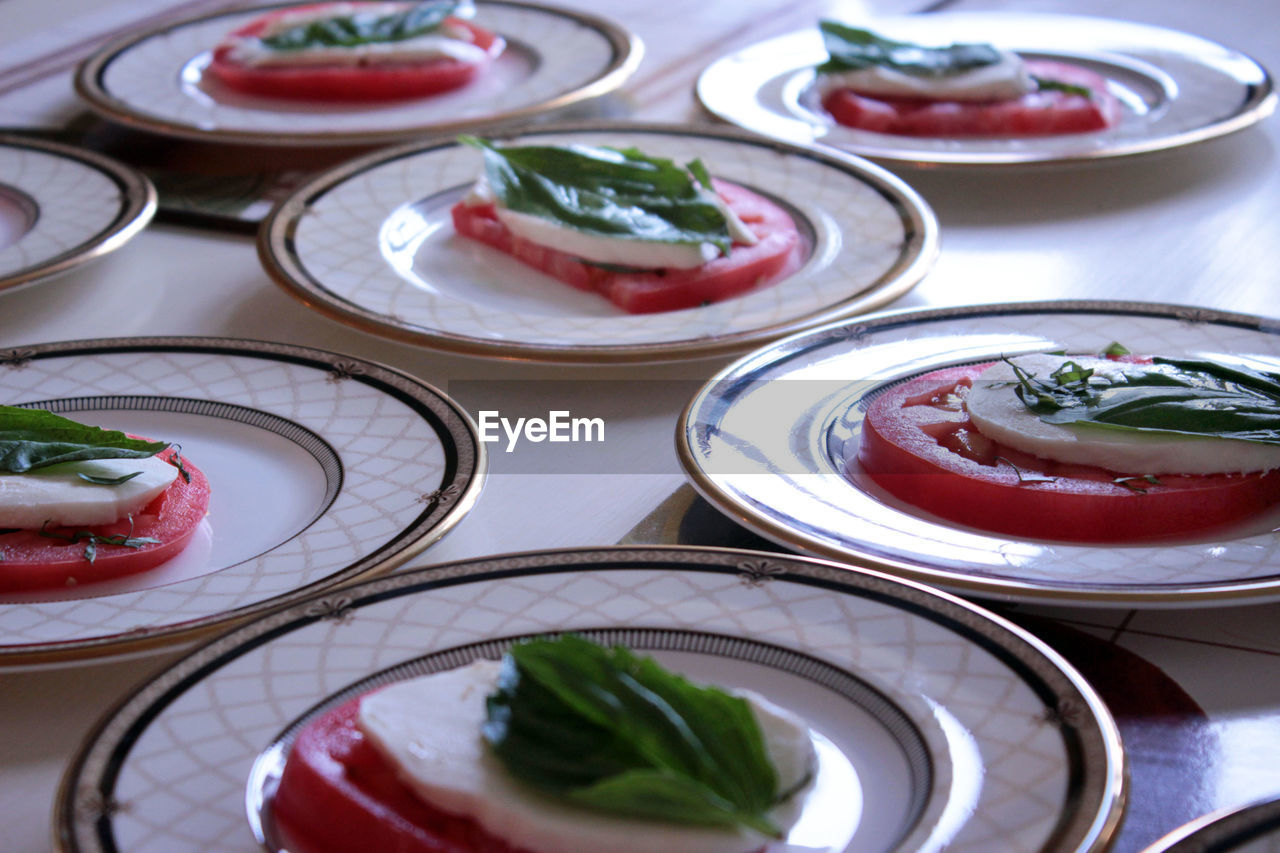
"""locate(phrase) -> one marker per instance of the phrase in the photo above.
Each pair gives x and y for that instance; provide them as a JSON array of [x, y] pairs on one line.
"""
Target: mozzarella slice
[[447, 42], [58, 495], [253, 52], [645, 254], [999, 414], [1002, 80], [298, 17], [429, 730], [607, 250]]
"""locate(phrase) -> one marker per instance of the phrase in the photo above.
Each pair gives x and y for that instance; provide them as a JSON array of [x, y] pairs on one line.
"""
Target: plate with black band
[[372, 244], [774, 442], [555, 59], [61, 207], [323, 468], [936, 724]]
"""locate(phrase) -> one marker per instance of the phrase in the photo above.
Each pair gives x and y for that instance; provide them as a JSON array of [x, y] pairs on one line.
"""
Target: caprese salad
[[80, 504], [354, 51], [563, 746], [1108, 448], [645, 233], [873, 83]]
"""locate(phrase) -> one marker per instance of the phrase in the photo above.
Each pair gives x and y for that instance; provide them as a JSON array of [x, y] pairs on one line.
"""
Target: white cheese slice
[[297, 17], [429, 730], [448, 42], [1000, 415], [645, 254], [252, 52], [608, 250], [58, 495], [1002, 80]]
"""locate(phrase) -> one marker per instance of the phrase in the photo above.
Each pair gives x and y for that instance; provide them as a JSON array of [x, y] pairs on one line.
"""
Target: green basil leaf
[[108, 481], [34, 438], [175, 459], [1044, 84], [1113, 350], [607, 192], [622, 268], [1189, 397], [93, 540], [699, 170], [1133, 485], [363, 28], [1026, 476], [615, 731], [853, 49], [662, 794]]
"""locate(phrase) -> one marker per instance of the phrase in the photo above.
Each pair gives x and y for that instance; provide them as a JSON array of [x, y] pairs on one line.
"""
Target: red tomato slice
[[777, 253], [348, 82], [337, 795], [1033, 114], [31, 561], [919, 445]]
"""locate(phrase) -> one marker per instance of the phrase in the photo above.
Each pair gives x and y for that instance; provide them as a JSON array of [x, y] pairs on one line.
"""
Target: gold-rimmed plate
[[323, 468], [371, 244], [940, 726], [1175, 89], [61, 207], [1252, 828], [772, 441], [555, 58]]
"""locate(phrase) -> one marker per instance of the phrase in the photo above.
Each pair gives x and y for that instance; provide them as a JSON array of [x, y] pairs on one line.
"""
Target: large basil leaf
[[607, 192], [614, 731], [34, 438], [853, 49], [363, 28], [1189, 397]]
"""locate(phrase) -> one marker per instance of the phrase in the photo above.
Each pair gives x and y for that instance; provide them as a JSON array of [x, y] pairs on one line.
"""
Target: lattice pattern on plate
[[1046, 751]]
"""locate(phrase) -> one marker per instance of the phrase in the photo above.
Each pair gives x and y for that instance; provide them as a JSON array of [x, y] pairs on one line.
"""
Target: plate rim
[[394, 551], [1231, 824], [137, 206], [967, 583], [1256, 107], [920, 249], [1014, 645], [627, 48]]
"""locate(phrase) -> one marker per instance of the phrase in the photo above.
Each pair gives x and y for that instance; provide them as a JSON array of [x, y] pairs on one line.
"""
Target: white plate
[[62, 206], [1254, 828], [938, 724], [371, 244], [323, 468], [1175, 88], [767, 439], [554, 58]]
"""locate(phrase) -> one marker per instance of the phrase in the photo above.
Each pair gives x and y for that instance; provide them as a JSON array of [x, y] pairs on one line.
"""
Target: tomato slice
[[336, 795], [919, 444], [380, 82], [1033, 114], [777, 253], [32, 561]]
